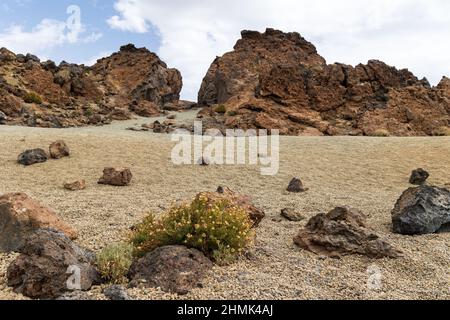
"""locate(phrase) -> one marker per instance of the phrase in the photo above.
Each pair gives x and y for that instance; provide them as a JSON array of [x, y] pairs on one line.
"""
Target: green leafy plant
[[32, 97], [221, 109], [232, 113], [217, 228], [114, 262]]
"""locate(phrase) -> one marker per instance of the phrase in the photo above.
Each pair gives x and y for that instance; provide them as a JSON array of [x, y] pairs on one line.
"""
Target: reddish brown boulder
[[276, 80], [20, 216], [59, 149], [42, 94], [343, 231], [116, 177]]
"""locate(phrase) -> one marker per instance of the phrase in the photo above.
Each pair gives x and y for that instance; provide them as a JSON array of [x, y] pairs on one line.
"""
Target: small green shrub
[[217, 228], [442, 132], [221, 109], [232, 113], [381, 133], [114, 262], [32, 97]]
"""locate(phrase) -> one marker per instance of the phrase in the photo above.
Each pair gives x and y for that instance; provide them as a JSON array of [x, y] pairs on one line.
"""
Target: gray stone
[[30, 157]]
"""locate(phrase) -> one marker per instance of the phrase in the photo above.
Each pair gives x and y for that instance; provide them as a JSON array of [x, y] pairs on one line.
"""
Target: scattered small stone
[[116, 177], [47, 264], [75, 186], [292, 215], [21, 216], [343, 231], [116, 293], [174, 269], [59, 149], [203, 161], [421, 210], [419, 177], [75, 296], [296, 186], [30, 157]]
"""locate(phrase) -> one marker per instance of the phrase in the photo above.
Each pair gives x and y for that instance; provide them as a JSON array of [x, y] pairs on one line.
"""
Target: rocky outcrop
[[119, 177], [421, 210], [175, 269], [343, 231], [51, 265], [21, 216], [42, 94], [276, 80]]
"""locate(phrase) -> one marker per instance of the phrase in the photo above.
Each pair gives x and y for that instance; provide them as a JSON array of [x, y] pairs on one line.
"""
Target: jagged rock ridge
[[36, 93], [277, 80]]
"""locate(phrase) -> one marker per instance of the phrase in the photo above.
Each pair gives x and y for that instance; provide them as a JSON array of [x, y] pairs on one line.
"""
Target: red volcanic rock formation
[[42, 94], [277, 80]]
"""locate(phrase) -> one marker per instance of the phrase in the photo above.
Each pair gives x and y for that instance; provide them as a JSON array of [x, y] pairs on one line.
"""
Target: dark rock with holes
[[421, 210], [419, 177], [342, 232], [296, 186], [116, 293], [30, 157], [50, 265], [174, 269]]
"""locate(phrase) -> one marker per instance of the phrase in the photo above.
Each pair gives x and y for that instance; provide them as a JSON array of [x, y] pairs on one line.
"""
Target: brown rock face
[[277, 80], [45, 95], [59, 149], [116, 177], [175, 269], [342, 232], [20, 216], [75, 186], [49, 265]]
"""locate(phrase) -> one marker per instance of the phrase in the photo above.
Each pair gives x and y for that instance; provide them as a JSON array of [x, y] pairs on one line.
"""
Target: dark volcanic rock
[[296, 186], [276, 80], [174, 269], [419, 177], [119, 177], [30, 157], [116, 293], [343, 231], [49, 264], [421, 210]]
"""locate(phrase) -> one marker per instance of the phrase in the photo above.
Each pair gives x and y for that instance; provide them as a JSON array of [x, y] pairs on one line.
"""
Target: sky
[[189, 34]]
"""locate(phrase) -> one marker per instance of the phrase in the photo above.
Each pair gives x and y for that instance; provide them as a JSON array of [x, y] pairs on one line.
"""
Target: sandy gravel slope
[[367, 173]]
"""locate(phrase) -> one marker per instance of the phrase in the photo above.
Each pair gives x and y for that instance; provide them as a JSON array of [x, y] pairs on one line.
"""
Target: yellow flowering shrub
[[217, 228]]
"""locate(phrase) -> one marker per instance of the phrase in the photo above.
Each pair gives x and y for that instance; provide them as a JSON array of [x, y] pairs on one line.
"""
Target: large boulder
[[51, 265], [421, 210], [175, 269], [343, 231], [116, 177], [277, 80], [30, 157], [20, 216]]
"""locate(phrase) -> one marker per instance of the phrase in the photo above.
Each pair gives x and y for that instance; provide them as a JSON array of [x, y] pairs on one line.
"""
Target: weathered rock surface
[[175, 269], [41, 94], [119, 177], [419, 177], [59, 149], [296, 186], [50, 265], [21, 216], [30, 157], [343, 231], [116, 293], [75, 185], [277, 80], [421, 210], [236, 199], [292, 215]]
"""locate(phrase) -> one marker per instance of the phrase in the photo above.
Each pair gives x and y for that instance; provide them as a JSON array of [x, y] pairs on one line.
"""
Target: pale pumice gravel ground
[[366, 173]]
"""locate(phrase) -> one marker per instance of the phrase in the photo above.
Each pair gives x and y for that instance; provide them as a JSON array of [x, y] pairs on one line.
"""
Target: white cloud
[[93, 60], [404, 33], [47, 34]]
